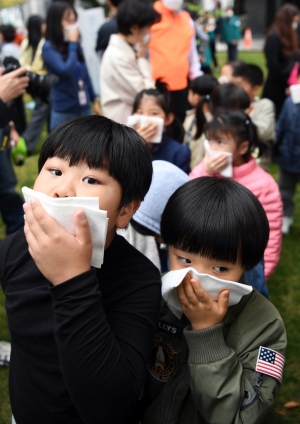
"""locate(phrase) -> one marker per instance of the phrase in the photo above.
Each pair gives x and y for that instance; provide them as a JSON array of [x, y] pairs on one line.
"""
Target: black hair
[[251, 73], [203, 86], [8, 32], [116, 3], [239, 126], [35, 35], [218, 219], [54, 31], [136, 12], [70, 2], [227, 97], [164, 100], [103, 143]]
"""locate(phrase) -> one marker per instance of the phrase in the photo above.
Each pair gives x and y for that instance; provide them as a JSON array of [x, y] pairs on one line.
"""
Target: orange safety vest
[[169, 47]]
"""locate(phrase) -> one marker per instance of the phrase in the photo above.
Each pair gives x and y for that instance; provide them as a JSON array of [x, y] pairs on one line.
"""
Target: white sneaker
[[5, 349], [286, 223]]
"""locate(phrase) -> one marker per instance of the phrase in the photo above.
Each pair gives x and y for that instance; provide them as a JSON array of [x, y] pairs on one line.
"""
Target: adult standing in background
[[72, 94], [31, 57], [231, 33], [173, 53], [108, 28], [125, 71], [8, 47], [280, 43]]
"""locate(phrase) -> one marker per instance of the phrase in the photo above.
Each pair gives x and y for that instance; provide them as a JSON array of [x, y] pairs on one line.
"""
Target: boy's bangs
[[74, 145], [103, 143], [218, 219]]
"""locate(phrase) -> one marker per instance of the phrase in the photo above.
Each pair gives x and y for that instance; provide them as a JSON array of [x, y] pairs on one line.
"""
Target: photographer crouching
[[12, 85]]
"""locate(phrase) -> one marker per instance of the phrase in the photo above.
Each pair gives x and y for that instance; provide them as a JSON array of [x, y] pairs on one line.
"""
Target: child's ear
[[255, 89], [169, 119], [126, 213], [244, 147]]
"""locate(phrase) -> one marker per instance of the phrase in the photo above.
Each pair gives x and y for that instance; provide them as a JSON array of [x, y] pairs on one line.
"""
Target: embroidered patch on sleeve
[[270, 362]]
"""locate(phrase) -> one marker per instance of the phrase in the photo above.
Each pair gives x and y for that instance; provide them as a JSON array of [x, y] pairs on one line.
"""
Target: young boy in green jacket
[[214, 363]]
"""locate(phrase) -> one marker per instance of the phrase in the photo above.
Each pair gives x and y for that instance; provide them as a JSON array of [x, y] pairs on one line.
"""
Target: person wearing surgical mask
[[231, 33], [173, 53], [125, 71]]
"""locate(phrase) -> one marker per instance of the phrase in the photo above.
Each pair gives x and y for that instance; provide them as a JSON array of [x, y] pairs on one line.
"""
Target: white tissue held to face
[[226, 172], [133, 120]]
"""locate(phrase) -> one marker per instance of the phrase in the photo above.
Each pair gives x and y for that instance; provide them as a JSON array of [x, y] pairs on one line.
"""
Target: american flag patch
[[270, 362]]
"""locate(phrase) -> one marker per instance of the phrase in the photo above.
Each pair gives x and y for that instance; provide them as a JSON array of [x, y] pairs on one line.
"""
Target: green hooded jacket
[[230, 29]]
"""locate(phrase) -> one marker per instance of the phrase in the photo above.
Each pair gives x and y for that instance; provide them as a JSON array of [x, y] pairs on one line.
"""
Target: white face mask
[[146, 38], [295, 25], [173, 5]]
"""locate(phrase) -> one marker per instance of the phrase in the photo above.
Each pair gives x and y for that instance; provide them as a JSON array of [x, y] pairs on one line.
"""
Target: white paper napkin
[[226, 172], [142, 119], [63, 210], [212, 285]]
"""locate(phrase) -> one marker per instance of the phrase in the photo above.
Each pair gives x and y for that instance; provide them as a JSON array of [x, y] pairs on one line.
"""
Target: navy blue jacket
[[288, 136], [64, 93], [174, 152]]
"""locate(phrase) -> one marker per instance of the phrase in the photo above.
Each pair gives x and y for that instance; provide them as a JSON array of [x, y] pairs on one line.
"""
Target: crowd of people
[[180, 161]]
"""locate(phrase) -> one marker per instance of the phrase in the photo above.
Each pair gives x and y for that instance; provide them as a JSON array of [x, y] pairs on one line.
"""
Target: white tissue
[[212, 285], [226, 172], [63, 210], [142, 120]]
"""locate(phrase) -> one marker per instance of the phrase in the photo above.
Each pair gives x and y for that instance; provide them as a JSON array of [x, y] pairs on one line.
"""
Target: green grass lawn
[[284, 288]]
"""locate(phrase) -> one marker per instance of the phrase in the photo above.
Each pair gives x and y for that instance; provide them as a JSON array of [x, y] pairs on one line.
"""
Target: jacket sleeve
[[104, 355], [54, 60], [234, 392], [280, 126], [199, 171], [132, 79], [183, 159], [271, 201], [237, 29], [265, 120], [90, 87], [273, 53]]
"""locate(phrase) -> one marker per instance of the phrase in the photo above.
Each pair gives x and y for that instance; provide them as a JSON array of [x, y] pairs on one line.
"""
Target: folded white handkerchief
[[63, 210], [226, 172], [212, 285]]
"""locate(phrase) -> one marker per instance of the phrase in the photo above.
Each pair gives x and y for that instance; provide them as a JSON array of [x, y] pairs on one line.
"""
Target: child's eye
[[184, 260], [90, 180], [220, 268], [56, 172], [220, 142]]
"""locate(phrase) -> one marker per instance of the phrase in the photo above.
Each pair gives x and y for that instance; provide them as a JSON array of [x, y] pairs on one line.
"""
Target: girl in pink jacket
[[234, 134]]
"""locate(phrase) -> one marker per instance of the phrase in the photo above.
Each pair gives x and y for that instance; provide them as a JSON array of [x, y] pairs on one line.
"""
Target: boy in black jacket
[[80, 336]]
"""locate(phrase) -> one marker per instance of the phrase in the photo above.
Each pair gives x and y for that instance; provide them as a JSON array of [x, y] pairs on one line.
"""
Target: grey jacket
[[208, 376]]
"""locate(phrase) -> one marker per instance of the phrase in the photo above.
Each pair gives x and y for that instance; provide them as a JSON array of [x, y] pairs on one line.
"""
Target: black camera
[[39, 85]]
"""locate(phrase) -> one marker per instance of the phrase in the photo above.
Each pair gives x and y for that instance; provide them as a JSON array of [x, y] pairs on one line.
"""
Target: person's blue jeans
[[232, 52], [58, 118], [255, 277]]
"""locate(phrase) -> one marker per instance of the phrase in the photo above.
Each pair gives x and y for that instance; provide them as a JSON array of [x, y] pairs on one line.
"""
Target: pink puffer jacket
[[265, 188]]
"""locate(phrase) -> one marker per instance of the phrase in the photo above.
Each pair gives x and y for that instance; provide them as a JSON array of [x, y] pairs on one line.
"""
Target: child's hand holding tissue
[[198, 306], [59, 255]]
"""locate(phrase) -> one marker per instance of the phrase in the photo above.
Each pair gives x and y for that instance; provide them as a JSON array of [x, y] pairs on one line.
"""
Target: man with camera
[[12, 85]]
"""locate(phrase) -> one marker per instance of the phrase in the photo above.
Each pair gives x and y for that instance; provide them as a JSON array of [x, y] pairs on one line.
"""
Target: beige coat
[[37, 64], [196, 146], [122, 77]]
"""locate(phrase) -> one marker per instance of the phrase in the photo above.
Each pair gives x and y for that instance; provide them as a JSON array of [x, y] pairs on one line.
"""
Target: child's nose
[[65, 189]]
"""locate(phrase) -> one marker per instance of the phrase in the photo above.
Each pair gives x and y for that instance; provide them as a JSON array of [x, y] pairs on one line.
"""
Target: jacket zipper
[[170, 403]]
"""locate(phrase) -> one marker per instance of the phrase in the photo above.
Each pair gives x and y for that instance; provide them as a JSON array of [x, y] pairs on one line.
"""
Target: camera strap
[[82, 98]]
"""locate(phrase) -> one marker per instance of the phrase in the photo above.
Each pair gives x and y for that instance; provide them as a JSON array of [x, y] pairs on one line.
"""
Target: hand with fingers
[[198, 306], [214, 165], [147, 131], [59, 255], [13, 84]]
